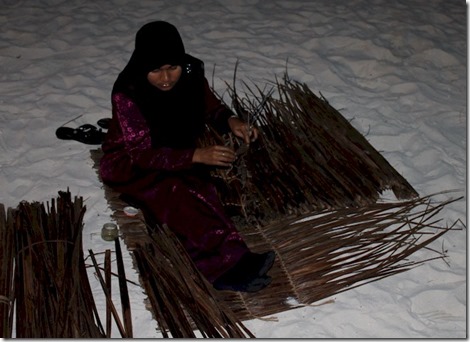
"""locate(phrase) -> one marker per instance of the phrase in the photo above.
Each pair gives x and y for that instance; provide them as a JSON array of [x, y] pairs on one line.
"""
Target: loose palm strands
[[309, 157], [353, 247], [181, 299]]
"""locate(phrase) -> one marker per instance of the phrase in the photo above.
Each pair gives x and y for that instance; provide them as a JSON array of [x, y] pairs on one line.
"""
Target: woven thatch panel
[[308, 158], [308, 189], [320, 255]]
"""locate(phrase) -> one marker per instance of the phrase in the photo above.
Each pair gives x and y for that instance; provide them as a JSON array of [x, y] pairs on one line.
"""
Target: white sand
[[396, 68]]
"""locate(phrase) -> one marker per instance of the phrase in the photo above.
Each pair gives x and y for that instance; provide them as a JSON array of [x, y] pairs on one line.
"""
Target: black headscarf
[[175, 117]]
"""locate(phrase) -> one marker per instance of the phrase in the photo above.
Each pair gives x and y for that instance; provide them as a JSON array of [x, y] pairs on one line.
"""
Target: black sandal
[[87, 134], [104, 123]]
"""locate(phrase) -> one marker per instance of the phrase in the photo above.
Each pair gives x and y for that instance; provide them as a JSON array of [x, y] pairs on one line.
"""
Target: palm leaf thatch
[[309, 189], [308, 158]]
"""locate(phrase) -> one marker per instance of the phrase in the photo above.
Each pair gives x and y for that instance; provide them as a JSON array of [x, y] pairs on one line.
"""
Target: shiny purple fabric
[[170, 187]]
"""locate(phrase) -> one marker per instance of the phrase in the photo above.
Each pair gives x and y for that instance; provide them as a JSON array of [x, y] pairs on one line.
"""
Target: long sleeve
[[128, 147]]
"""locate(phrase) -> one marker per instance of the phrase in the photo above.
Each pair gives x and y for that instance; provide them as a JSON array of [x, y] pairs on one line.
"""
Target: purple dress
[[171, 188]]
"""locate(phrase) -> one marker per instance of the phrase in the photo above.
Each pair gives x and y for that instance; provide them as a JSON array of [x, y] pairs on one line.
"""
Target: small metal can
[[109, 231]]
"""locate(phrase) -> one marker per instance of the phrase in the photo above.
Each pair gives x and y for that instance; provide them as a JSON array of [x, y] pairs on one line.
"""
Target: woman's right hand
[[216, 155]]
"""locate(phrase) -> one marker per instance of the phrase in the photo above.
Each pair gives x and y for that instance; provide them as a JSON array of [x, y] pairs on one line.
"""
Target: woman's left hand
[[242, 130]]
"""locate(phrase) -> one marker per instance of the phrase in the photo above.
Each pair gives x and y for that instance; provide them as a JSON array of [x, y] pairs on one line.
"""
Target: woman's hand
[[243, 130], [216, 155]]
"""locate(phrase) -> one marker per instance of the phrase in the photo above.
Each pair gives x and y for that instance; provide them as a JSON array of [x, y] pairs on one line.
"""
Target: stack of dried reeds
[[308, 158], [42, 256]]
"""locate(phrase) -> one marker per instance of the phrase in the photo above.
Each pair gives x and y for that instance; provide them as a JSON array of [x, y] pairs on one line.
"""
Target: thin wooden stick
[[107, 275], [108, 296], [126, 306]]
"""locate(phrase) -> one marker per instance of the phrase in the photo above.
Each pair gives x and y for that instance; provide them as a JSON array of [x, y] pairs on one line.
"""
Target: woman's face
[[165, 77]]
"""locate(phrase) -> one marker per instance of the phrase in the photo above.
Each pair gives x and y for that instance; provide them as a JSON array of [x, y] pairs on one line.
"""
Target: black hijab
[[175, 117]]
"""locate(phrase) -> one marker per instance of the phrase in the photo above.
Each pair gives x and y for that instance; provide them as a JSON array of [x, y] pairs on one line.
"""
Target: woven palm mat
[[309, 189], [321, 255]]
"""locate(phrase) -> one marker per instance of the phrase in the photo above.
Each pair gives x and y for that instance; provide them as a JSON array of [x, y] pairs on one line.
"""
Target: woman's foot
[[249, 274], [254, 285], [264, 260]]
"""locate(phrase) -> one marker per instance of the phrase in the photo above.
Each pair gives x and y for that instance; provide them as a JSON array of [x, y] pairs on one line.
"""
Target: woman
[[161, 102]]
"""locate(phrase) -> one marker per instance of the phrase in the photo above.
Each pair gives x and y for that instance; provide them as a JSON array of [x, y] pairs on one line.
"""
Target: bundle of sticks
[[44, 283]]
